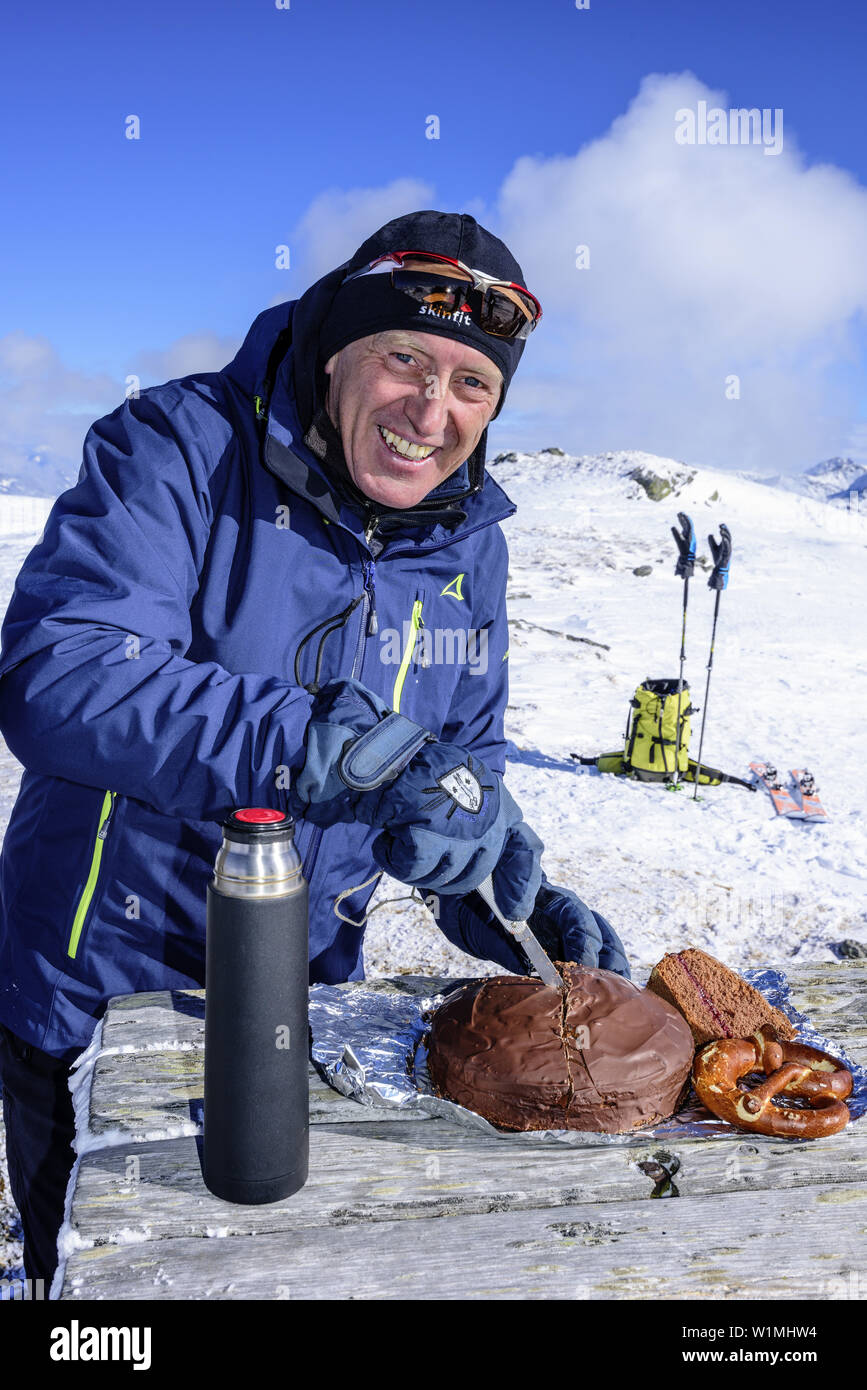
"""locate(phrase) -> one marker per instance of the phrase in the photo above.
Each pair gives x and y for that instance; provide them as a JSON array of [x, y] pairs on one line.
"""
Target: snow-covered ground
[[788, 684]]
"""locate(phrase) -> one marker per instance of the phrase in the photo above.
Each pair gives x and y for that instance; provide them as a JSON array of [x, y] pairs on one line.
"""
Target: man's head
[[411, 382], [410, 407]]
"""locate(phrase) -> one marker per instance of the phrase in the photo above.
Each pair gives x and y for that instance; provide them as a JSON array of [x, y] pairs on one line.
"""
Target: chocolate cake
[[715, 1002], [602, 1055]]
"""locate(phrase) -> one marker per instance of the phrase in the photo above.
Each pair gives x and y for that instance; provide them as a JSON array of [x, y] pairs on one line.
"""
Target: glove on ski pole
[[722, 553], [685, 541]]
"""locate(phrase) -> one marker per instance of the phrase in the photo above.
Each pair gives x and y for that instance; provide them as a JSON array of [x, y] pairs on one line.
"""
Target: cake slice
[[715, 1001]]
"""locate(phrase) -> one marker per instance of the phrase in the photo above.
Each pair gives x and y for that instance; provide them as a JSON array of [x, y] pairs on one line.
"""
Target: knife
[[548, 974]]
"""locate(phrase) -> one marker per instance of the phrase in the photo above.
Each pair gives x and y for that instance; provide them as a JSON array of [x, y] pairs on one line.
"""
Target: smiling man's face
[[410, 407]]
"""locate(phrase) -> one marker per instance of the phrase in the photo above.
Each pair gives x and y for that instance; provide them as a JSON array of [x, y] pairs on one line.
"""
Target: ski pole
[[719, 578], [685, 542]]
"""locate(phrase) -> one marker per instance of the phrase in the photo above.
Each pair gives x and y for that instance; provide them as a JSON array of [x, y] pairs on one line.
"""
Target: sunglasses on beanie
[[501, 308]]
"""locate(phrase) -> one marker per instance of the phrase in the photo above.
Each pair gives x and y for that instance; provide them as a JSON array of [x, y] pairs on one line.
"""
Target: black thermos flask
[[256, 1039]]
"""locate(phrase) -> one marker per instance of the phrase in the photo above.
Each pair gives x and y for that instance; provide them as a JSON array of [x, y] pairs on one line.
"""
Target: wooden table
[[402, 1205]]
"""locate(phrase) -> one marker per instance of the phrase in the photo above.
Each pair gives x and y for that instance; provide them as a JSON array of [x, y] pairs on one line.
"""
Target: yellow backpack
[[651, 731], [651, 740]]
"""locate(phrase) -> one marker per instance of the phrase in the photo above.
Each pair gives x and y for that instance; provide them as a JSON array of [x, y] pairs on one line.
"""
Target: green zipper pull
[[102, 833], [424, 659]]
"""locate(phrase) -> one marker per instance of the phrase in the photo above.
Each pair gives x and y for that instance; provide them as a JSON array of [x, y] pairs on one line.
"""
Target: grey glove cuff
[[381, 753]]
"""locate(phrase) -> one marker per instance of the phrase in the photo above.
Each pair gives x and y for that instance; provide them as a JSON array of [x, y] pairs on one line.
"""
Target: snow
[[722, 873]]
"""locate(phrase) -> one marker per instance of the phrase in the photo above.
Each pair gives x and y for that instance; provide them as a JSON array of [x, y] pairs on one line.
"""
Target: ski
[[784, 803], [813, 808]]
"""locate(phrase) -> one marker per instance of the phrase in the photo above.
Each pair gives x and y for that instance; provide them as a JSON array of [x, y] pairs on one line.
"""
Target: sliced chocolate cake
[[715, 1001]]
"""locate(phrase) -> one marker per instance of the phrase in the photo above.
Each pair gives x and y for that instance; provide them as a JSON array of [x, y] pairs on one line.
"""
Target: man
[[201, 627]]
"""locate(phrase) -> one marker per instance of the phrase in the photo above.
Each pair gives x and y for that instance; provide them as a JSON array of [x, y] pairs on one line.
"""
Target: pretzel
[[790, 1068]]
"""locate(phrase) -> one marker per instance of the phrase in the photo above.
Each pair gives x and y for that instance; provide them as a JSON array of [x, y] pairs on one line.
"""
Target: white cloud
[[336, 223], [194, 352], [705, 262], [22, 355], [47, 407]]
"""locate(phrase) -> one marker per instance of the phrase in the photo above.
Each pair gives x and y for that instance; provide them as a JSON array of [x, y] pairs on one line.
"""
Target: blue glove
[[343, 713], [569, 930], [446, 820], [469, 924], [563, 924]]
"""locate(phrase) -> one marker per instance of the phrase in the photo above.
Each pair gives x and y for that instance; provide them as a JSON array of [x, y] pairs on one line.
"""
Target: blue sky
[[115, 249]]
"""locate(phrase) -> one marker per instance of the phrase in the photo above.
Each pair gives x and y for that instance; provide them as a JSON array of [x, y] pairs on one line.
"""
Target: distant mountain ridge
[[40, 476], [833, 478], [829, 480]]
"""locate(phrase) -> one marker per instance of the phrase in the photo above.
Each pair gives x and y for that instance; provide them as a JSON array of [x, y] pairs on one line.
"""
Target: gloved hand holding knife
[[447, 823]]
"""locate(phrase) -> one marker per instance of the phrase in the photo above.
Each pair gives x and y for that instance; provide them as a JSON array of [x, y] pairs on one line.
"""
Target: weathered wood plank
[[148, 1082], [155, 1020], [759, 1245], [141, 1096], [464, 1198], [170, 1018], [377, 1171], [833, 996]]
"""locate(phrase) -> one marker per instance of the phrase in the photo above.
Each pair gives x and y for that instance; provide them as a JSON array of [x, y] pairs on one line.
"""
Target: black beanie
[[371, 305], [324, 318]]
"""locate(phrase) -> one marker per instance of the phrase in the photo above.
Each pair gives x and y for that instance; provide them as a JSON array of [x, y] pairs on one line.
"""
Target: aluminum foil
[[369, 1044]]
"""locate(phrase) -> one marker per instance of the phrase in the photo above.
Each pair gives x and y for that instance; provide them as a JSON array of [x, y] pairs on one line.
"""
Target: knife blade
[[524, 936]]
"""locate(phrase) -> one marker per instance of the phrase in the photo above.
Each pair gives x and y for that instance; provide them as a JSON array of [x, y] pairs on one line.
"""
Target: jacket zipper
[[367, 624], [370, 586], [105, 815], [415, 624]]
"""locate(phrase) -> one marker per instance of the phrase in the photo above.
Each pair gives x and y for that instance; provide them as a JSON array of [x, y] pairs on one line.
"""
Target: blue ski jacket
[[148, 680]]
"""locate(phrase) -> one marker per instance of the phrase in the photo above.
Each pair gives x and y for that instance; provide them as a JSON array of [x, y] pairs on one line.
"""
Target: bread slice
[[715, 1001]]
